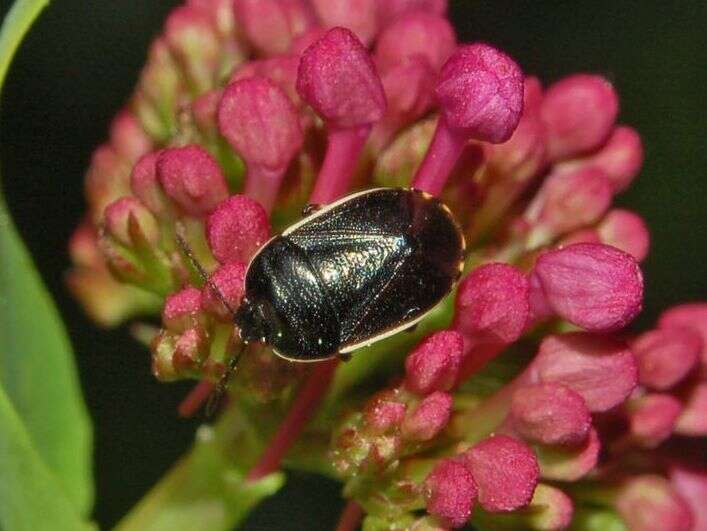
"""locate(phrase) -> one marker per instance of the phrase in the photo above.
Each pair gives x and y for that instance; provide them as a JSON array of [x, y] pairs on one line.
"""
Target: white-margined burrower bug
[[349, 274]]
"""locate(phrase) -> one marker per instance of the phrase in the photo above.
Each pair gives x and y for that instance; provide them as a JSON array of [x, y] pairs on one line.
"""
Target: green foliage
[[45, 433]]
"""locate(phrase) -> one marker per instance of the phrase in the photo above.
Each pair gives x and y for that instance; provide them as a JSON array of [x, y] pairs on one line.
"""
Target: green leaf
[[45, 425], [207, 489], [29, 496]]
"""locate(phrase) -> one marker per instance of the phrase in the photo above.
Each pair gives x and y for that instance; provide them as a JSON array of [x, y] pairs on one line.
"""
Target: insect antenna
[[187, 250], [222, 386]]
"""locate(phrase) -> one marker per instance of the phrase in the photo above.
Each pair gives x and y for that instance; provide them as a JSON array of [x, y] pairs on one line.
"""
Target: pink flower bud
[[551, 509], [191, 178], [270, 25], [357, 15], [627, 231], [204, 109], [83, 246], [190, 350], [693, 420], [579, 112], [144, 184], [450, 492], [304, 41], [602, 370], [492, 304], [523, 154], [181, 309], [260, 122], [236, 229], [105, 180], [383, 412], [691, 485], [569, 463], [568, 201], [666, 356], [505, 471], [229, 279], [338, 79], [434, 364], [262, 125], [550, 414], [193, 40], [620, 158], [390, 10], [594, 286], [417, 33], [281, 70], [428, 418], [650, 503], [652, 418], [127, 136], [127, 215], [480, 93], [690, 315]]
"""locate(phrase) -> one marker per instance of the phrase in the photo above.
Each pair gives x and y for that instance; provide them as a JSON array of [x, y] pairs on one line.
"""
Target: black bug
[[347, 275], [351, 273]]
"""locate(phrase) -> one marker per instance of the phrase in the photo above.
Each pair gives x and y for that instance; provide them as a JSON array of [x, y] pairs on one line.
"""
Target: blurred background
[[79, 64]]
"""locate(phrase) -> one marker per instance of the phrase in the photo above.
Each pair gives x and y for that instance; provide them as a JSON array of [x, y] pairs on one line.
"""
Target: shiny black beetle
[[351, 273]]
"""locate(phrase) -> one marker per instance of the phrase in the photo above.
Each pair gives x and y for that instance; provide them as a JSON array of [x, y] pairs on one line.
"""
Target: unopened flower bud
[[550, 414], [270, 25], [650, 503], [145, 186], [236, 229], [568, 201], [416, 33], [569, 463], [390, 10], [357, 15], [383, 412], [127, 136], [190, 350], [450, 492], [229, 280], [182, 309], [693, 419], [627, 231], [602, 370], [480, 92], [620, 157], [338, 79], [579, 112], [261, 123], [162, 348], [281, 70], [597, 287], [666, 356], [106, 180], [652, 418], [193, 40], [691, 315], [434, 364], [691, 485], [505, 471], [127, 215], [192, 178], [492, 304], [550, 509], [204, 109], [428, 418]]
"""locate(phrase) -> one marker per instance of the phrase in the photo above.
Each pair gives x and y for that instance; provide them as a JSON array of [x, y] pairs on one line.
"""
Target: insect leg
[[222, 387], [189, 253]]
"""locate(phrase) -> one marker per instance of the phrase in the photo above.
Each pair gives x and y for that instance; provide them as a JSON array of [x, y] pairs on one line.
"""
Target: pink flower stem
[[343, 150], [350, 517], [263, 184], [444, 152], [304, 406], [192, 402]]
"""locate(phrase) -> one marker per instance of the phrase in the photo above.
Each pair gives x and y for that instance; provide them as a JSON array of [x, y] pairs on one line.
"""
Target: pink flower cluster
[[532, 408]]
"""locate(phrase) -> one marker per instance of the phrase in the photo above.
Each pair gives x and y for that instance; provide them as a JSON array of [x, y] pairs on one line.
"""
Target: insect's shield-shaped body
[[354, 272]]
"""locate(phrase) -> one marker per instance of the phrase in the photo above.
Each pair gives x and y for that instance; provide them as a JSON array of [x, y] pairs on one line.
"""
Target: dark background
[[80, 61]]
